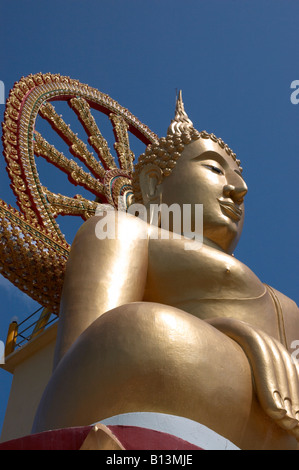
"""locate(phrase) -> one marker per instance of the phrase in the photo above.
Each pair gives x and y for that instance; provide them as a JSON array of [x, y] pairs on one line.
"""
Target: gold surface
[[11, 338], [146, 325], [34, 258], [101, 438]]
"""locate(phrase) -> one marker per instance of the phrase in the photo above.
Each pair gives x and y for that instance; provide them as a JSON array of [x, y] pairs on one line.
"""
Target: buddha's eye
[[214, 168]]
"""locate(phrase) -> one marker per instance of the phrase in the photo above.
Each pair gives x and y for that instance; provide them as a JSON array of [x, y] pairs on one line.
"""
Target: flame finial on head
[[181, 123], [165, 153]]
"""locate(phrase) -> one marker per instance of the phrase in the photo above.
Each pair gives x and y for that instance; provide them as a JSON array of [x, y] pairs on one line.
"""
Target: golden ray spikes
[[63, 205], [122, 146], [14, 169], [32, 259], [95, 138], [77, 147], [75, 173]]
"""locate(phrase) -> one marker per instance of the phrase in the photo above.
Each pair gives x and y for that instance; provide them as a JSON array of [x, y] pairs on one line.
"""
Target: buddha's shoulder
[[288, 311], [109, 224], [285, 303]]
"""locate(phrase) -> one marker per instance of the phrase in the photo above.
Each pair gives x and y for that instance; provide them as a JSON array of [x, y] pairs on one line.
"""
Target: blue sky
[[233, 59]]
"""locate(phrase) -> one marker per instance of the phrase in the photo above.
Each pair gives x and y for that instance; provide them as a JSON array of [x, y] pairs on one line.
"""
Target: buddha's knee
[[149, 357]]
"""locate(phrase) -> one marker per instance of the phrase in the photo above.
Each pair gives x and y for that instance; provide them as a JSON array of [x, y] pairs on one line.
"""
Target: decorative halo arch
[[33, 250]]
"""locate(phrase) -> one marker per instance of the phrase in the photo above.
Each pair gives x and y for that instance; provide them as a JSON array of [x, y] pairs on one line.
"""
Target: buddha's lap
[[149, 357]]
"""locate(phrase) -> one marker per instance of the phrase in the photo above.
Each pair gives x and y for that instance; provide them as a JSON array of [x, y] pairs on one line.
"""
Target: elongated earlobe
[[150, 179]]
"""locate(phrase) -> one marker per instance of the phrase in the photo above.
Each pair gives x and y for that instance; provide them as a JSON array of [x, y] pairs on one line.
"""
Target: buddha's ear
[[150, 179]]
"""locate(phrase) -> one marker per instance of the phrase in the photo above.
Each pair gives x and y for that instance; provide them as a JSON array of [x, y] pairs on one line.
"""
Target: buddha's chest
[[207, 283]]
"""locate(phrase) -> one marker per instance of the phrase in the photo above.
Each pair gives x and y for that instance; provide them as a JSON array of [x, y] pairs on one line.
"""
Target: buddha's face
[[206, 174]]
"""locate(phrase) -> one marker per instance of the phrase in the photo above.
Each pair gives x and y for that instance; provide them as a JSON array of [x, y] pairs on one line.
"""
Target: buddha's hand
[[276, 374]]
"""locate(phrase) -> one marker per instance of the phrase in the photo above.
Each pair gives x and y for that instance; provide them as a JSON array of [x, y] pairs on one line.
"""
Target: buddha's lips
[[230, 209]]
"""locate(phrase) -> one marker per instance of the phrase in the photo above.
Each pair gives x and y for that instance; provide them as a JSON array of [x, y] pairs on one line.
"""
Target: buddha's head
[[191, 167]]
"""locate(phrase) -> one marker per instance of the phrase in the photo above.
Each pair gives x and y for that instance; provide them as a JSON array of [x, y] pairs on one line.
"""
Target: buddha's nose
[[236, 193]]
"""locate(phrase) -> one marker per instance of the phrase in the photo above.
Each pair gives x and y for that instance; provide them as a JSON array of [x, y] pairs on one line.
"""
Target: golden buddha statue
[[147, 325]]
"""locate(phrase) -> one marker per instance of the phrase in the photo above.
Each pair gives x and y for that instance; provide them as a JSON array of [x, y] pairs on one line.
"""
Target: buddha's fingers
[[293, 378], [287, 390], [290, 396], [268, 378], [275, 373]]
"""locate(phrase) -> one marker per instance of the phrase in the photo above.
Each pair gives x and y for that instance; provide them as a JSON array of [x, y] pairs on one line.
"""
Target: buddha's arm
[[276, 375], [101, 274]]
